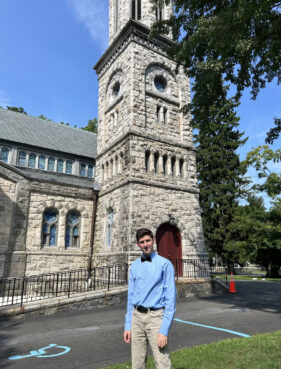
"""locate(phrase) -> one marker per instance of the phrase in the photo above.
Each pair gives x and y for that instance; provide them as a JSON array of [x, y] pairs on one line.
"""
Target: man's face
[[145, 243]]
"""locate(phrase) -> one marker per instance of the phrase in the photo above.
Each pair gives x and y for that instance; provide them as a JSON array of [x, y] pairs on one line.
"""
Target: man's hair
[[143, 232]]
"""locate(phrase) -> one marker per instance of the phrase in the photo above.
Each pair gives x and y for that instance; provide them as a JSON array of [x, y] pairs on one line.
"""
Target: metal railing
[[44, 286], [199, 268]]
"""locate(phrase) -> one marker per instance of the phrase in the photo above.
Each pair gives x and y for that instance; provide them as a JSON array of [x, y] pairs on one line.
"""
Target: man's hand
[[162, 340], [127, 336]]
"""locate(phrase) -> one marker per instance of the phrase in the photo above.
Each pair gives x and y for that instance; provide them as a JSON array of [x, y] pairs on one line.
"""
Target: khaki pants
[[145, 328]]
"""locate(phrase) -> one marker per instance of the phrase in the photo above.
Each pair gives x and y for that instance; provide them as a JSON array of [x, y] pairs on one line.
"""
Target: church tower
[[146, 163]]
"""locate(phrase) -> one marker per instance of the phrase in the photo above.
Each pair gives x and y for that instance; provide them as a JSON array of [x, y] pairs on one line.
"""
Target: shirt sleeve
[[130, 306], [170, 295]]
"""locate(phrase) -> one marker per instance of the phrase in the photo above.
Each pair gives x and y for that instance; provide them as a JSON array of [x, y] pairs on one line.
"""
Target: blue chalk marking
[[42, 352], [216, 328]]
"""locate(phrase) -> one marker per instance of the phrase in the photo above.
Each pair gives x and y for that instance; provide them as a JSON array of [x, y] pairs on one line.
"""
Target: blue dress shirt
[[152, 284]]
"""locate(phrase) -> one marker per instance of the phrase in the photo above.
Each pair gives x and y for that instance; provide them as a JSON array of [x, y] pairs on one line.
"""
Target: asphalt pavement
[[92, 339]]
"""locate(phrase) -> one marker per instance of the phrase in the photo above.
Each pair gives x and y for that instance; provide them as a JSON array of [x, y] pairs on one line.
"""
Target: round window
[[160, 83], [116, 89]]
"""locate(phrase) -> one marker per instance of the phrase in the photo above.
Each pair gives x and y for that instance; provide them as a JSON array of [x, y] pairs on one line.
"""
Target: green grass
[[262, 351], [241, 277]]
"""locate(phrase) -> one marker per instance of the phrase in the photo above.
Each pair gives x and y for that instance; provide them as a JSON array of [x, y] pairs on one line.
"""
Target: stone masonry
[[146, 164]]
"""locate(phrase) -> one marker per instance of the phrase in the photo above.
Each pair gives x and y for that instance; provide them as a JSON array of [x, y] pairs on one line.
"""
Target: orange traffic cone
[[232, 284]]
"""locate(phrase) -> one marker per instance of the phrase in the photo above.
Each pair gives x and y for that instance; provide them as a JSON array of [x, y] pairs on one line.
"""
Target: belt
[[142, 309]]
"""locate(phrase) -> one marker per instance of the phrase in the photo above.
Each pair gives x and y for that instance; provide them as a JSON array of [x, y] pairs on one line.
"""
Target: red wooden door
[[168, 239]]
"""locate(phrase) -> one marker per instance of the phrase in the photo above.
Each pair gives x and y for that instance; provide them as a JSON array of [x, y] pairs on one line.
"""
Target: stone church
[[65, 206]]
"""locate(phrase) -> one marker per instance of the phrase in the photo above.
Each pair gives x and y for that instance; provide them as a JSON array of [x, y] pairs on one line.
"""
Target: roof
[[24, 129]]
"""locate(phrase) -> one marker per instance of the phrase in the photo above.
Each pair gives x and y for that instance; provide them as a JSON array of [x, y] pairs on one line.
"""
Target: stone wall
[[50, 259]]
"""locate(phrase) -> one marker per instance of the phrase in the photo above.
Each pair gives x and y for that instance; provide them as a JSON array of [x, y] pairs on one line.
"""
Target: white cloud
[[93, 14], [4, 100]]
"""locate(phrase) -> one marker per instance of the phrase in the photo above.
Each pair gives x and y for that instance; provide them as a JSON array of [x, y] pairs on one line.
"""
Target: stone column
[[161, 165], [177, 168], [120, 164], [105, 172], [151, 163], [169, 169]]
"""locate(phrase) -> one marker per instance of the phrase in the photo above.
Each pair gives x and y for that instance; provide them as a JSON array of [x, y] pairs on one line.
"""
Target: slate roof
[[37, 132]]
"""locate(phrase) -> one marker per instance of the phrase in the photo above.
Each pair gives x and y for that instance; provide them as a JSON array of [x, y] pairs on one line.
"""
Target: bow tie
[[147, 258]]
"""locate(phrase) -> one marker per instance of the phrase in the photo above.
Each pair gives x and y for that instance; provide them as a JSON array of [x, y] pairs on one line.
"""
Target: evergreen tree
[[219, 169], [92, 126], [17, 109]]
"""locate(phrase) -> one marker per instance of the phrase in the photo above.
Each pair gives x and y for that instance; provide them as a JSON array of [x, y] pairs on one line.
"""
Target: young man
[[151, 304]]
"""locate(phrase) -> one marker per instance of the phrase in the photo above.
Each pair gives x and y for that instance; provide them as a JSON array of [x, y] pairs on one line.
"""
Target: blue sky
[[49, 48]]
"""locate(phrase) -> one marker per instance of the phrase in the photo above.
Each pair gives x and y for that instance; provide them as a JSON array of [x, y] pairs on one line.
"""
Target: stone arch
[[117, 76], [168, 218]]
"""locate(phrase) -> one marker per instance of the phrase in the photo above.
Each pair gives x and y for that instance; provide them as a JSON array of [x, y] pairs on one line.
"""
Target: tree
[[260, 158], [17, 109], [239, 39], [220, 173], [92, 126]]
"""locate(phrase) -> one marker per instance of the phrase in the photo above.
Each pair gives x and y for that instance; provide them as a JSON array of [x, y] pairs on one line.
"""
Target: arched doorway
[[168, 240]]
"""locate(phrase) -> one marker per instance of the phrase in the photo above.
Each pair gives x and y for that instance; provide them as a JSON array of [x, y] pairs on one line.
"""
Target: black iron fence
[[34, 288], [199, 268]]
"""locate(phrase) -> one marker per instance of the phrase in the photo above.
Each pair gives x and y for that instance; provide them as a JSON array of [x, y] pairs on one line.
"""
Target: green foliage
[[274, 132], [260, 158], [17, 109], [238, 39], [44, 118], [92, 126], [220, 173]]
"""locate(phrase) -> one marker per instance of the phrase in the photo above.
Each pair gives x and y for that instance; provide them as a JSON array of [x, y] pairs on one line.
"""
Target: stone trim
[[146, 137], [116, 102], [149, 184], [162, 97], [132, 32]]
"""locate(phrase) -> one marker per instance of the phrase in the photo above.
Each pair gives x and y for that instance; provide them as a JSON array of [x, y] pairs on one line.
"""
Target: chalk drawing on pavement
[[41, 353]]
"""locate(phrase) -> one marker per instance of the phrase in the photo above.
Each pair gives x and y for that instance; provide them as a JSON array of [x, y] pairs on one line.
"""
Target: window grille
[[32, 161], [4, 154], [22, 158]]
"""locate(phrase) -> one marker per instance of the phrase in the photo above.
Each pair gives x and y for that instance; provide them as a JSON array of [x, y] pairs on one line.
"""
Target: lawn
[[262, 351]]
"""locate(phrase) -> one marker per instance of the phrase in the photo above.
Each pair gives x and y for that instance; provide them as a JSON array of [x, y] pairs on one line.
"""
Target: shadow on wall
[[12, 237]]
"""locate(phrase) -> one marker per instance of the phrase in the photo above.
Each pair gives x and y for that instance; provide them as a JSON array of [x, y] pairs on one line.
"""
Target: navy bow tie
[[147, 258]]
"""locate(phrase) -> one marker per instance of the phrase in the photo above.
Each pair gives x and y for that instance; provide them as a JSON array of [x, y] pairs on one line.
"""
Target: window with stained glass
[[69, 165], [90, 171], [32, 161], [4, 154], [60, 166], [51, 164], [22, 158], [49, 228], [83, 169], [42, 162], [109, 227], [72, 232]]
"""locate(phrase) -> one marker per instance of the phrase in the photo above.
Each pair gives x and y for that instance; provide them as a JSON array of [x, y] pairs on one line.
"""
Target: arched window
[[69, 165], [32, 161], [42, 162], [159, 13], [173, 162], [51, 164], [181, 167], [4, 154], [83, 169], [49, 228], [156, 160], [60, 166], [110, 215], [72, 232], [147, 157], [165, 158]]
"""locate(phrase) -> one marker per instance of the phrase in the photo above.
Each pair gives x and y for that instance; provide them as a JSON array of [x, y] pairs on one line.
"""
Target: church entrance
[[168, 239]]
